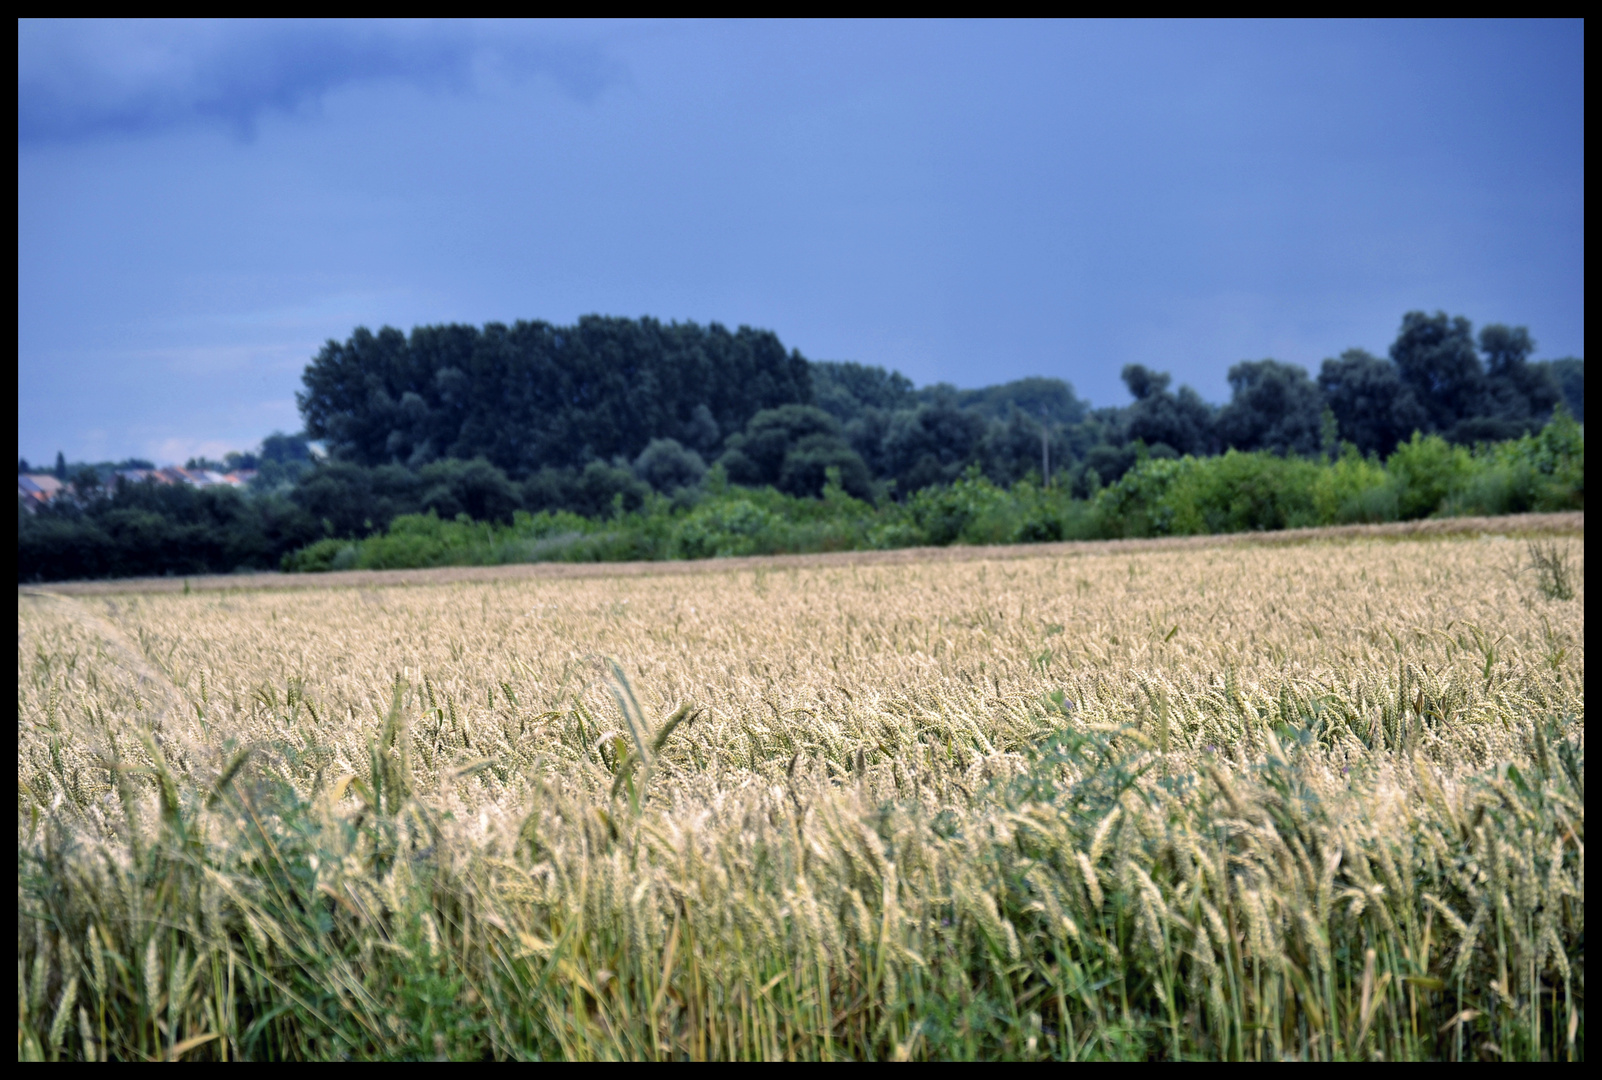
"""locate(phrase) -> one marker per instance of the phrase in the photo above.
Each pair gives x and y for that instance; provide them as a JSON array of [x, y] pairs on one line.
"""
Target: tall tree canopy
[[1052, 400], [533, 394], [1569, 374], [1435, 356], [1183, 421], [845, 389], [578, 415], [1520, 394], [1273, 406], [1374, 409]]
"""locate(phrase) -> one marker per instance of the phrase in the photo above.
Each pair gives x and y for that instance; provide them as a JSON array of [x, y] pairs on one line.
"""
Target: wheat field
[[1313, 801]]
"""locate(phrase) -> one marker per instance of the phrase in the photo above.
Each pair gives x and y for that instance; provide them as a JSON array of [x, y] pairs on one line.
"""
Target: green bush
[[1137, 504], [1159, 496], [316, 558], [1244, 492], [1543, 471], [727, 527], [970, 510], [1236, 492], [1426, 469]]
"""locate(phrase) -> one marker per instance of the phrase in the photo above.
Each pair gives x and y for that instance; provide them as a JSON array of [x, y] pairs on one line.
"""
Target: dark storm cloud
[[79, 80]]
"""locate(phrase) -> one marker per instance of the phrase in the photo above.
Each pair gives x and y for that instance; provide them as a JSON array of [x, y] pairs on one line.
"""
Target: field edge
[[1568, 523]]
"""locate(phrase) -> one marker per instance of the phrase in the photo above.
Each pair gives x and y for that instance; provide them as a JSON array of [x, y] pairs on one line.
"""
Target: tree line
[[600, 417], [536, 398], [1231, 492]]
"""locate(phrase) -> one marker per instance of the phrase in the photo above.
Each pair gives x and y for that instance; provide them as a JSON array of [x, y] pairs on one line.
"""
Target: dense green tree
[[907, 435], [86, 484], [792, 448], [285, 449], [667, 465], [1272, 406], [866, 435], [756, 455], [1011, 448], [1143, 382], [1104, 464], [1436, 359], [475, 488], [349, 500], [1103, 425], [807, 464], [1182, 421], [931, 444], [1520, 394], [844, 389], [1569, 374], [700, 433], [1052, 400], [1505, 348], [594, 491], [551, 488], [593, 417], [150, 528], [534, 394], [281, 461], [1374, 409], [604, 487]]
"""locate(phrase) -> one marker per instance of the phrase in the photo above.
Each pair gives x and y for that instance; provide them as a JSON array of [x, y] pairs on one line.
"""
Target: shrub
[[726, 527], [316, 557], [1426, 469], [1244, 492], [1137, 504]]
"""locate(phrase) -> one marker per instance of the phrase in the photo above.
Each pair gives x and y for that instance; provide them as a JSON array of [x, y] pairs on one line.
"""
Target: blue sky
[[201, 205]]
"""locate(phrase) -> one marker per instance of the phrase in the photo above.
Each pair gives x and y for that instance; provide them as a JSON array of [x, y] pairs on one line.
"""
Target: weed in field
[[1552, 566]]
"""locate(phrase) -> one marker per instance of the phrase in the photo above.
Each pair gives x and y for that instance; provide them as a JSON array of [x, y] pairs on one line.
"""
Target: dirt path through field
[[1571, 523]]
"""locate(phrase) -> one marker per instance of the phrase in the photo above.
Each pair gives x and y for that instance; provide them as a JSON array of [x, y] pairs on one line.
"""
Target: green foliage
[[1543, 471], [592, 491], [1273, 406], [1051, 399], [727, 527], [971, 510], [1426, 469], [1240, 492], [1182, 422], [1237, 492], [1569, 374], [845, 389], [1373, 408], [593, 419], [466, 513], [532, 394], [793, 448], [1436, 358], [475, 488], [667, 465], [1161, 495], [145, 529]]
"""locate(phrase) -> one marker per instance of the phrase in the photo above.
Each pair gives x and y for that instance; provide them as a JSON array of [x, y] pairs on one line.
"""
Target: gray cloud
[[78, 80]]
